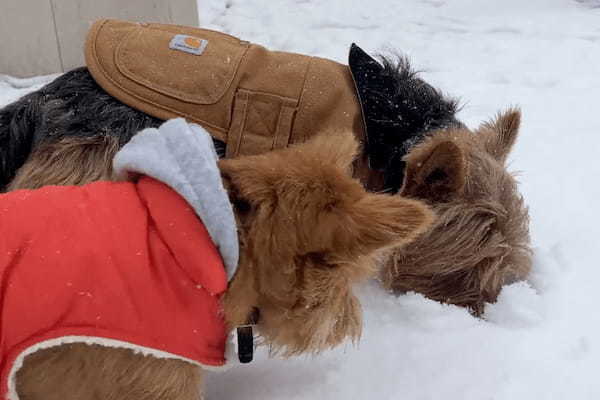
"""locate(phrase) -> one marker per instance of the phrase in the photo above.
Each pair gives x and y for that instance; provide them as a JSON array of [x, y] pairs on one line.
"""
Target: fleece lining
[[182, 156]]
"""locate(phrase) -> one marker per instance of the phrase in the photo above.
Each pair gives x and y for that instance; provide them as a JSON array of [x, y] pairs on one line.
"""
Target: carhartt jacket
[[251, 98]]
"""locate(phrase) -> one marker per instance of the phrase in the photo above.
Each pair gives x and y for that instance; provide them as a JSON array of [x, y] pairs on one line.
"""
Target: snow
[[12, 88], [541, 340]]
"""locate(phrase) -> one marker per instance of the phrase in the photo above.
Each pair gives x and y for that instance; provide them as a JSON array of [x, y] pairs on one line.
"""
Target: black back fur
[[71, 105]]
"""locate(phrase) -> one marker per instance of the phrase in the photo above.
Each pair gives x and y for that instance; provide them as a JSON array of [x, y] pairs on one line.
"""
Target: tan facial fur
[[480, 239]]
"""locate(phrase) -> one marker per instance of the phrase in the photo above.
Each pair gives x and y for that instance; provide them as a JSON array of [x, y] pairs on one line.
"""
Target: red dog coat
[[118, 264]]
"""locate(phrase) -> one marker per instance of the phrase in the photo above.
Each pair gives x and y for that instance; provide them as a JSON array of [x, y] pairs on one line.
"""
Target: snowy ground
[[542, 339]]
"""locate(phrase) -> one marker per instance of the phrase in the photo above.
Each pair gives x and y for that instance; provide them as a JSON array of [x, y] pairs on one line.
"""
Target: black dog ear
[[363, 66], [370, 88]]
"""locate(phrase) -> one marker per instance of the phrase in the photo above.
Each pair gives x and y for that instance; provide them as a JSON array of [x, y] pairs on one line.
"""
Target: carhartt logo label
[[188, 44]]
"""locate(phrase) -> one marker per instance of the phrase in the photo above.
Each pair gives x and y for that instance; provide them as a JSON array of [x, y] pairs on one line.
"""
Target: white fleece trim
[[12, 377], [183, 156]]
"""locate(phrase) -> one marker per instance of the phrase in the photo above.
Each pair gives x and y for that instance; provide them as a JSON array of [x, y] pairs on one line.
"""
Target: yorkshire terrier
[[480, 238]]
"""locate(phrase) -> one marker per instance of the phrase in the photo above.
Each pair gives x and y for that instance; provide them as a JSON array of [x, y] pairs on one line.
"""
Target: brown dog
[[308, 232], [480, 239]]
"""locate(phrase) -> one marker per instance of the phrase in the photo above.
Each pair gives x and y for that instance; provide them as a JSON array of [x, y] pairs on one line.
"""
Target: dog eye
[[241, 206], [318, 259]]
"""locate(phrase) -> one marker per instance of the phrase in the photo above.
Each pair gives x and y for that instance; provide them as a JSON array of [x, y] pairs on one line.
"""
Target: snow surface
[[13, 88], [541, 340]]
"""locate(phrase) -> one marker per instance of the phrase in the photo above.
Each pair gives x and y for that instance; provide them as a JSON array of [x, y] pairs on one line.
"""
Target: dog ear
[[247, 180], [499, 135], [382, 221], [436, 174], [338, 149]]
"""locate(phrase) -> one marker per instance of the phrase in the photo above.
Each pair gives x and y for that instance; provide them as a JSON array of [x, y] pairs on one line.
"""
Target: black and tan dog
[[253, 100]]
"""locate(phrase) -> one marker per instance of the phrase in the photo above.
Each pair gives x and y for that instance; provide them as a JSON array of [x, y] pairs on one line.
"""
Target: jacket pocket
[[260, 122], [148, 56]]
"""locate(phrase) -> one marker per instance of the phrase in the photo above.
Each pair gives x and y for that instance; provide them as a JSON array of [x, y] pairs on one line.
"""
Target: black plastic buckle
[[245, 339]]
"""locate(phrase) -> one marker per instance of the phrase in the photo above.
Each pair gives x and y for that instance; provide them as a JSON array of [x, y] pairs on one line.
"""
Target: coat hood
[[183, 156]]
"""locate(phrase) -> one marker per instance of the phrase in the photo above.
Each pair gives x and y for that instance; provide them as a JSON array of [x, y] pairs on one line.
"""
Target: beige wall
[[46, 36]]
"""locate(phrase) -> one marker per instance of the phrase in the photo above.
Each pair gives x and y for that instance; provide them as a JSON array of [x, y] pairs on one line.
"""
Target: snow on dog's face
[[308, 233], [480, 239]]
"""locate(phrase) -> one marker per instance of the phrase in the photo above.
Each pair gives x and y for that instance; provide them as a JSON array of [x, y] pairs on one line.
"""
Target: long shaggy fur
[[480, 239]]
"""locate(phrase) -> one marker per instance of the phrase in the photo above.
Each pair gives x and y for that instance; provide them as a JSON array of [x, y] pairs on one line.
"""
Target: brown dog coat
[[253, 99]]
